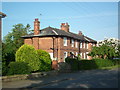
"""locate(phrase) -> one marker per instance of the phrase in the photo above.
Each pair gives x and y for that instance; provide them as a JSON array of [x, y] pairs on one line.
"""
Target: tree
[[11, 42], [105, 49], [113, 43]]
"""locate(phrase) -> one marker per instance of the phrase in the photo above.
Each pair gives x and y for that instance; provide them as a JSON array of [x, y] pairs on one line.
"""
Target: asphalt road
[[87, 79], [80, 79]]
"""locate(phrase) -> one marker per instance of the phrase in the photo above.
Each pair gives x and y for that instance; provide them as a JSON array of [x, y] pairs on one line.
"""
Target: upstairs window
[[72, 42], [87, 45], [84, 45], [65, 41], [76, 44]]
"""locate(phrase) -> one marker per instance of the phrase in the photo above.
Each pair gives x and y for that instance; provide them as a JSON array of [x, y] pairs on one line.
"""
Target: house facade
[[59, 43]]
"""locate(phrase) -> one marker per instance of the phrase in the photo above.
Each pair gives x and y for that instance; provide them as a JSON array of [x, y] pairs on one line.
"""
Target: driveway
[[80, 79]]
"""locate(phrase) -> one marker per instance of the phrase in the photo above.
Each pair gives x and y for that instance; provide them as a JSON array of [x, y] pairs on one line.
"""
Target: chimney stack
[[80, 33], [36, 27], [65, 27]]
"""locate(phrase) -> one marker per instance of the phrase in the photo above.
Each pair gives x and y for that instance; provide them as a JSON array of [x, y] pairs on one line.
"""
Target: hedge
[[73, 62], [90, 64], [18, 68]]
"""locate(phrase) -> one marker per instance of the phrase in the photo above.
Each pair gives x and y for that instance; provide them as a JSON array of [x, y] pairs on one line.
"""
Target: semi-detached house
[[59, 43]]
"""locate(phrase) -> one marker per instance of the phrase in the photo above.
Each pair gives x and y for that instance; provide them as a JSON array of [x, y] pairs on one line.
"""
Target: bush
[[94, 64], [18, 68], [4, 69], [87, 65], [73, 63], [116, 61], [103, 63], [45, 60], [27, 53], [90, 64]]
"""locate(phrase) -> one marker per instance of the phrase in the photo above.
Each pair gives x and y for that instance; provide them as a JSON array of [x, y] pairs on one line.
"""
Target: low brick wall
[[30, 76]]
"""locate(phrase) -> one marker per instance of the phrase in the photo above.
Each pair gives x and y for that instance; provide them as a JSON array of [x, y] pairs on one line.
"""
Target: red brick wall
[[46, 43], [28, 41]]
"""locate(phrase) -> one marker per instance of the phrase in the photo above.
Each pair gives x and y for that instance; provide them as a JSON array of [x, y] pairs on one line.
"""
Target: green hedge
[[91, 64], [73, 62], [45, 60], [18, 68]]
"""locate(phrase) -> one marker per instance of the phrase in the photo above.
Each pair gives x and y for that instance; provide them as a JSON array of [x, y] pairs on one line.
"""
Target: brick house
[[59, 43]]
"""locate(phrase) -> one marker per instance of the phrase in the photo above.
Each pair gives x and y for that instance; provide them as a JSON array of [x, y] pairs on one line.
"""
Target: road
[[88, 79], [80, 79]]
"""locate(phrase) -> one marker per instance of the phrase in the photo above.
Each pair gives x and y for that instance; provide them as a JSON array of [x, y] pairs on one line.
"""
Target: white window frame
[[65, 56], [80, 55], [84, 45], [84, 55], [81, 45], [87, 55], [87, 45], [51, 55], [65, 41], [72, 43], [76, 53]]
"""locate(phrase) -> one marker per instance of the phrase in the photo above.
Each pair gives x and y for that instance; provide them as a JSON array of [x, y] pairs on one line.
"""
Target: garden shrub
[[103, 63], [18, 68], [116, 61], [27, 53], [94, 64], [45, 60], [4, 68], [87, 65], [90, 64]]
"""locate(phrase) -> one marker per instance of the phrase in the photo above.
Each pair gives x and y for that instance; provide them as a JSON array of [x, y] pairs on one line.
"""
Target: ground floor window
[[81, 55], [87, 55], [84, 55], [51, 55], [76, 53], [65, 55]]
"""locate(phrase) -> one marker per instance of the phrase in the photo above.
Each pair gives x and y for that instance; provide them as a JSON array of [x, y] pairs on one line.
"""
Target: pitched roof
[[50, 31]]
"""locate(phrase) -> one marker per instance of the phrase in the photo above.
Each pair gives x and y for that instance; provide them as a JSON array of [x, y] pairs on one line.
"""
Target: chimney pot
[[65, 27]]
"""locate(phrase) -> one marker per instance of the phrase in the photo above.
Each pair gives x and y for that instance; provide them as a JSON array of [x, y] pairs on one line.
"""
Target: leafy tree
[[105, 49], [27, 53], [112, 42], [11, 42]]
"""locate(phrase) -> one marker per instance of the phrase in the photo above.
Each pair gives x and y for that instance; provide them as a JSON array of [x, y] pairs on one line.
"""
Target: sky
[[97, 20]]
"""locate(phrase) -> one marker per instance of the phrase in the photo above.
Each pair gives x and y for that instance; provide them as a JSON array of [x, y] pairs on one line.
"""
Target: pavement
[[79, 79]]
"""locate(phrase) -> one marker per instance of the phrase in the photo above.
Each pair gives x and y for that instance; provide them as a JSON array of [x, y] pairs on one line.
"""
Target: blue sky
[[95, 19]]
